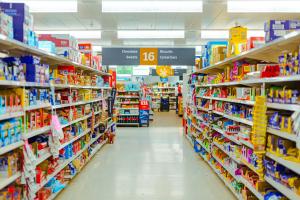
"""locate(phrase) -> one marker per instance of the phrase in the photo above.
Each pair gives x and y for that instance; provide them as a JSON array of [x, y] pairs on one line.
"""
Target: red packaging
[[254, 42], [144, 105]]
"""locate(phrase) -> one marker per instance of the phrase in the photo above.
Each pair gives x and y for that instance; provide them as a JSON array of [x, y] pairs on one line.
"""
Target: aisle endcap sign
[[148, 56]]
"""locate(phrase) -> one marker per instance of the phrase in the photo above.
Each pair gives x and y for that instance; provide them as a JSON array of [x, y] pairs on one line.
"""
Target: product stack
[[128, 100], [53, 117], [243, 118]]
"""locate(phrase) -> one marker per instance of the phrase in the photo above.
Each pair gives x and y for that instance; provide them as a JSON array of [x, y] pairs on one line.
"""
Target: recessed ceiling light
[[150, 34], [263, 6], [76, 34], [152, 6], [55, 6], [214, 34]]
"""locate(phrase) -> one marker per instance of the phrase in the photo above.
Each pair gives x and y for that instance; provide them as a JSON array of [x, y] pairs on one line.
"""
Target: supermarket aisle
[[155, 163]]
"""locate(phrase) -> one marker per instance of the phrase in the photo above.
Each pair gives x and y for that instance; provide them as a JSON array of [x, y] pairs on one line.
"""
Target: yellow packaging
[[237, 41]]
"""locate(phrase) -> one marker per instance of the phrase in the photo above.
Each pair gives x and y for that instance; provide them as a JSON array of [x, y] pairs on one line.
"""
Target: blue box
[[275, 34], [144, 117], [294, 24], [276, 25], [21, 17]]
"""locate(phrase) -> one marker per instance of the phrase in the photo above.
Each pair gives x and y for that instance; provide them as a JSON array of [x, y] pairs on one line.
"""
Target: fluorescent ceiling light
[[150, 34], [97, 48], [263, 6], [55, 6], [152, 6], [215, 34], [76, 34]]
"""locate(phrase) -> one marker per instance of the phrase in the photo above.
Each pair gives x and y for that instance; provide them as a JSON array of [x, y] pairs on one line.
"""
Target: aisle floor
[[155, 163]]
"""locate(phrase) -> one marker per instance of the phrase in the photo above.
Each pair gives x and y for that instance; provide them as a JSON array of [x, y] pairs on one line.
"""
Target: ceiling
[[89, 17]]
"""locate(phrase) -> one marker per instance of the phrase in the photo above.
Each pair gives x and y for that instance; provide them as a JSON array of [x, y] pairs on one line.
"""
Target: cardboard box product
[[237, 41], [255, 42], [60, 40], [86, 50], [275, 34], [47, 46], [238, 34], [6, 25], [276, 25], [22, 20], [294, 24]]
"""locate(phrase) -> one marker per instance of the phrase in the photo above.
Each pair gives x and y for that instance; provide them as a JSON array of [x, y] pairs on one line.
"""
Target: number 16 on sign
[[148, 56]]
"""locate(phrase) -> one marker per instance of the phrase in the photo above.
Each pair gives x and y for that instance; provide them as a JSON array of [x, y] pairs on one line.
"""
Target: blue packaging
[[276, 25], [21, 17]]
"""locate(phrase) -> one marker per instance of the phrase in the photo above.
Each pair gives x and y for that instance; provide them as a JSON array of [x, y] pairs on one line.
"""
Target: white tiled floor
[[155, 163]]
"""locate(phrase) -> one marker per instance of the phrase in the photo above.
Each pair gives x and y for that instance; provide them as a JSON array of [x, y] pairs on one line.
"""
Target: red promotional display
[[144, 105]]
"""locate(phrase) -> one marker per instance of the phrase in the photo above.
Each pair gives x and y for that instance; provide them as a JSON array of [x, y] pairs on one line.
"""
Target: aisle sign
[[148, 56]]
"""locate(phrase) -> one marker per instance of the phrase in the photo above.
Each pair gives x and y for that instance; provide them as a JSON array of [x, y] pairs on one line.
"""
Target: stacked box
[[218, 54], [207, 55], [22, 20], [35, 71], [237, 42], [66, 45], [6, 25], [86, 50], [275, 29]]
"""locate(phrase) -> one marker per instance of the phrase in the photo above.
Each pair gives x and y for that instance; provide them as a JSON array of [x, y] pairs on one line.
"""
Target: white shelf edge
[[251, 188], [11, 147], [75, 121], [6, 181], [33, 133], [39, 160], [230, 156], [288, 164], [285, 135], [11, 115], [76, 103], [74, 139], [283, 189], [231, 138], [39, 106]]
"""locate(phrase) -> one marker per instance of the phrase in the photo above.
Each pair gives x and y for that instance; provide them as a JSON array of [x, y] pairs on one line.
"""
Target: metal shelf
[[268, 52], [204, 147], [237, 160], [251, 188], [75, 138], [39, 106], [14, 46], [6, 181], [33, 133], [241, 120], [288, 164], [285, 135], [11, 115], [283, 189], [11, 147], [231, 138]]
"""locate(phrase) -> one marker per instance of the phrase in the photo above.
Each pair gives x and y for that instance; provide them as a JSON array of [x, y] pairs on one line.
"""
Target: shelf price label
[[148, 56]]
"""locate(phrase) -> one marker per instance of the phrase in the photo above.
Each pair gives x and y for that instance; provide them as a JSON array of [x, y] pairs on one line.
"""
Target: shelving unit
[[268, 53], [15, 48], [127, 104], [158, 92]]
